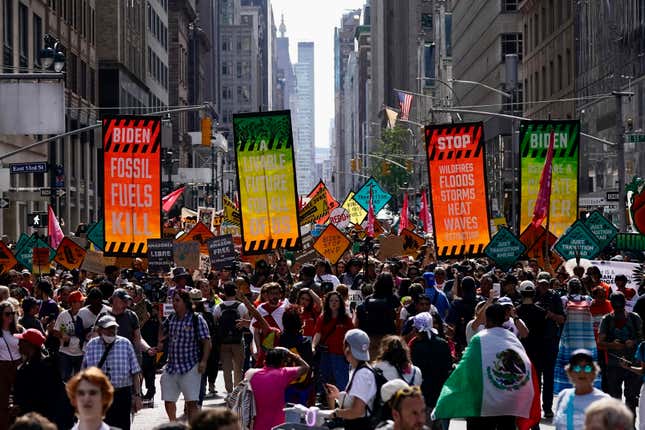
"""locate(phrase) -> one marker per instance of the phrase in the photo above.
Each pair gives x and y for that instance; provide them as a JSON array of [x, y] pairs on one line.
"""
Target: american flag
[[405, 102]]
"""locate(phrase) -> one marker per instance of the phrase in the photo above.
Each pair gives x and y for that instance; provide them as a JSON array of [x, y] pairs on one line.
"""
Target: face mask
[[108, 339]]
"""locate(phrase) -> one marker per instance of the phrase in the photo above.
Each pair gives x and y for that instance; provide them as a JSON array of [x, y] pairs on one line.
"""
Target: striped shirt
[[121, 362]]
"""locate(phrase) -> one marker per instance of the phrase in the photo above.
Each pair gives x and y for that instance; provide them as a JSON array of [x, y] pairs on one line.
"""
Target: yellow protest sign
[[332, 244], [315, 209], [412, 242], [231, 213], [356, 212]]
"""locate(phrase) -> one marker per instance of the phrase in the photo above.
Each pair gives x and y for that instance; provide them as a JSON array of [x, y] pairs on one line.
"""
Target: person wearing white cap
[[357, 400], [407, 405], [432, 355]]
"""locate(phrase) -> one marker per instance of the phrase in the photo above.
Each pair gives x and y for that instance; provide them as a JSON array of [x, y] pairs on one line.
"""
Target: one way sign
[[37, 219]]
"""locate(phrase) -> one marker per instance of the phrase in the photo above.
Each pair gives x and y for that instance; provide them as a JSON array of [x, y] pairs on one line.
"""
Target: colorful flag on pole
[[405, 103], [168, 201], [403, 220], [371, 217], [543, 201], [494, 377], [424, 213], [56, 234]]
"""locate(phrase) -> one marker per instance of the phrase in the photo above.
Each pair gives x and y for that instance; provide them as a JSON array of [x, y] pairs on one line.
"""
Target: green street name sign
[[504, 248], [635, 138], [630, 242], [577, 240]]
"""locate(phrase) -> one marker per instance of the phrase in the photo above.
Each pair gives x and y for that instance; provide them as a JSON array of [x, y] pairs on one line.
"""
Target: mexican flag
[[494, 377]]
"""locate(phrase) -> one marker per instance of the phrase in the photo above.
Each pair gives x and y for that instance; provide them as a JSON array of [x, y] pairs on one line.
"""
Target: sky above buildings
[[314, 21]]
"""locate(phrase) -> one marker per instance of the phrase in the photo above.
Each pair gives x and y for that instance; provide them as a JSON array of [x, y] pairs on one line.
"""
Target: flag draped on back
[[371, 217], [424, 213], [543, 201], [494, 378], [403, 220], [169, 200], [56, 234], [405, 103]]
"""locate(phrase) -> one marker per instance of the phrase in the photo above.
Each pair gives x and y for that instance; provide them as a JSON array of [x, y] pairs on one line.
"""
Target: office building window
[[23, 33], [509, 5], [38, 37], [7, 48], [92, 84], [227, 93], [511, 44], [71, 67], [243, 94], [226, 44], [83, 80]]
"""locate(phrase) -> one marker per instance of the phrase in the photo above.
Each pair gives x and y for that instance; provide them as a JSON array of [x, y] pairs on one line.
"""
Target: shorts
[[188, 384]]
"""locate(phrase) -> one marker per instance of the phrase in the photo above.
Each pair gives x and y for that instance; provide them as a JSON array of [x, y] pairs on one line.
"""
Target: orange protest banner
[[332, 244], [412, 242], [69, 254], [200, 233], [40, 261], [7, 260], [457, 170], [132, 183]]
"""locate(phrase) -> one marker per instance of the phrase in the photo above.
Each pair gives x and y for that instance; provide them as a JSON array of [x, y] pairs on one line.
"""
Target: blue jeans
[[69, 365], [334, 369]]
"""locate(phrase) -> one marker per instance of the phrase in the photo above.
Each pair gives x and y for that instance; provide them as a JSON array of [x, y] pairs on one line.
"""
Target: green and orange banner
[[534, 142], [266, 176]]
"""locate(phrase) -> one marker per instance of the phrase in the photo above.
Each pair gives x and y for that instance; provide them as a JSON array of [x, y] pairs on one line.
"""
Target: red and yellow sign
[[69, 254], [132, 183], [7, 260], [331, 201], [456, 166]]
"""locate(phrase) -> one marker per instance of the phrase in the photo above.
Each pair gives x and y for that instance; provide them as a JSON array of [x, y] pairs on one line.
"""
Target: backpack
[[377, 316], [242, 402], [380, 411], [227, 331]]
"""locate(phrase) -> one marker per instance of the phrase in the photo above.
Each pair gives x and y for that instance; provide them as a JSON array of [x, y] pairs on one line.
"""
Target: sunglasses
[[403, 393], [587, 368]]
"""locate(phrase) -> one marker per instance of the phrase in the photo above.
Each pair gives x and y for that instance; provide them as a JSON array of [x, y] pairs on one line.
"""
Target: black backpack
[[227, 331], [380, 411], [377, 317]]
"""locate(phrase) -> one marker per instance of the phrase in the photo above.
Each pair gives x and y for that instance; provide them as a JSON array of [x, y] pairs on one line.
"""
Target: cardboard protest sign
[[356, 213], [205, 216], [186, 254], [93, 262], [340, 218], [7, 260], [332, 244], [315, 209], [69, 254], [160, 255], [331, 202], [390, 246], [221, 251], [412, 242], [40, 260], [380, 197]]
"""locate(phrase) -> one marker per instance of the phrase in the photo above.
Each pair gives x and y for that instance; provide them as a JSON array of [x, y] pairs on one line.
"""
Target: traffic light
[[353, 164], [207, 125], [408, 166]]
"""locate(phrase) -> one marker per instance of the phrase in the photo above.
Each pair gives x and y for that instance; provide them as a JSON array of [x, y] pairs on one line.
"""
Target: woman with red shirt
[[310, 307], [328, 340]]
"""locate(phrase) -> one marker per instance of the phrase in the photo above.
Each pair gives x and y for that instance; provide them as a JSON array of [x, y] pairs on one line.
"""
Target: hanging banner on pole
[[457, 170], [534, 142], [266, 176], [132, 183]]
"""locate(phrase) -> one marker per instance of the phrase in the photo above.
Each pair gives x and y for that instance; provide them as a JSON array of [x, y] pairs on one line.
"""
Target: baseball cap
[[544, 276], [580, 354], [505, 301], [196, 295], [25, 272], [107, 321], [527, 286], [75, 297], [121, 294], [359, 342], [390, 388], [33, 336]]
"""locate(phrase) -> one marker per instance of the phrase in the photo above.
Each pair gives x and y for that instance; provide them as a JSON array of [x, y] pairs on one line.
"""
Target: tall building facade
[[157, 52], [285, 78], [482, 34], [23, 26], [303, 118]]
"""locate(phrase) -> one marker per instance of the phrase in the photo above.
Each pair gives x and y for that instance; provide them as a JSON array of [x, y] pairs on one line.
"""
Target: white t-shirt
[[413, 377], [580, 405], [9, 347], [363, 387], [89, 319], [217, 312], [65, 324]]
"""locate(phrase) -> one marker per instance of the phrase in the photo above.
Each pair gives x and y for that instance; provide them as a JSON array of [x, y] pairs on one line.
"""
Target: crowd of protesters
[[360, 338]]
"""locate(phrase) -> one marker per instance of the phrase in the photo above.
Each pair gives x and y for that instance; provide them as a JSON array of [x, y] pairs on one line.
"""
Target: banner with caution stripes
[[534, 143], [132, 183], [457, 171], [266, 174]]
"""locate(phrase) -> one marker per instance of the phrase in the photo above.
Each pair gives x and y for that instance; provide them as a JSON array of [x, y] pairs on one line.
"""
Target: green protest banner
[[602, 228], [577, 241], [504, 248], [534, 142]]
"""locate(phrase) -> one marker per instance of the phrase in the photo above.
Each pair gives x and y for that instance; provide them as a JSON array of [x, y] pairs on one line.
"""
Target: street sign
[[613, 196], [504, 248], [60, 192], [602, 228], [4, 203], [37, 219], [635, 138], [37, 167], [577, 241], [46, 192]]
